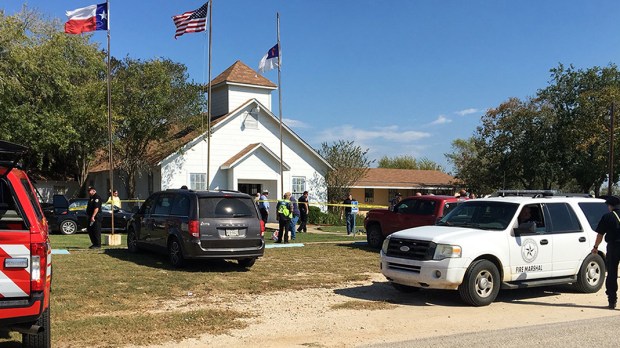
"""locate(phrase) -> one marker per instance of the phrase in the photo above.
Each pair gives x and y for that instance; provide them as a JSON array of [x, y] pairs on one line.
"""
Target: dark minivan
[[189, 224]]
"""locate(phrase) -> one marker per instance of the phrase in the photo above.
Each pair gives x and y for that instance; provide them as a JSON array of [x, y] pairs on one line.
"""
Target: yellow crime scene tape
[[361, 206], [319, 204]]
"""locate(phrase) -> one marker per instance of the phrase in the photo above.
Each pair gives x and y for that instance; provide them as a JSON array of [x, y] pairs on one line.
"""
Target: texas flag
[[90, 18], [271, 60]]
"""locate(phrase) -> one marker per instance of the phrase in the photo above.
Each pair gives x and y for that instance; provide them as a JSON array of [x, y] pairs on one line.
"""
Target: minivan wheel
[[374, 236], [247, 263], [68, 227], [132, 241], [591, 274], [175, 254], [43, 338]]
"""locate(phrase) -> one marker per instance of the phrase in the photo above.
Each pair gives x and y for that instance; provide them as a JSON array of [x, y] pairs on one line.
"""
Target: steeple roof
[[241, 73]]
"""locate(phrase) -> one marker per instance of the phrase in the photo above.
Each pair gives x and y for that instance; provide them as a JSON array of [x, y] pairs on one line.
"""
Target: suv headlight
[[445, 251], [384, 247]]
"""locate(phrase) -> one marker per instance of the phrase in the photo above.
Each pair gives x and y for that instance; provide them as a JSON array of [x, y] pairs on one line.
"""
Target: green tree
[[557, 140], [50, 93], [581, 100], [408, 162], [349, 164], [149, 98], [471, 169]]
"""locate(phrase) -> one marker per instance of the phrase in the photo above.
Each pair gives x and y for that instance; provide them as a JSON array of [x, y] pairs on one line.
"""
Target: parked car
[[189, 224], [410, 212], [25, 254], [510, 242], [69, 216]]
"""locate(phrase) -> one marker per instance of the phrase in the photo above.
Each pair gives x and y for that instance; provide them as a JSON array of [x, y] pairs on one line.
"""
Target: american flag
[[192, 21]]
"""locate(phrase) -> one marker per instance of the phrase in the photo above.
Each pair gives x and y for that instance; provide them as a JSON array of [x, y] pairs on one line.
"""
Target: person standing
[[609, 227], [303, 212], [263, 206], [114, 199], [348, 215], [295, 217], [284, 213], [257, 199], [93, 211]]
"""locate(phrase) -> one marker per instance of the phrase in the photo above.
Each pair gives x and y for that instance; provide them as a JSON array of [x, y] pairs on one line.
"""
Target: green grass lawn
[[100, 296], [79, 241]]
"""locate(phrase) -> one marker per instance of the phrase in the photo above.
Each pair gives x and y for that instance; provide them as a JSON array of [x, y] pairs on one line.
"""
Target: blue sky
[[398, 77]]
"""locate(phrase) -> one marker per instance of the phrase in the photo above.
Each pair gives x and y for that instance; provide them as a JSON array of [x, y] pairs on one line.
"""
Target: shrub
[[317, 217]]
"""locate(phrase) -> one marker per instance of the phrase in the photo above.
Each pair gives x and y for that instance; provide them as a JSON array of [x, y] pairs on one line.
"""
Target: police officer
[[609, 226], [93, 211]]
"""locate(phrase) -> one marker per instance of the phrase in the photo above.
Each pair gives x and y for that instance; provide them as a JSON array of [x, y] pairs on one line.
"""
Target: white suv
[[484, 245]]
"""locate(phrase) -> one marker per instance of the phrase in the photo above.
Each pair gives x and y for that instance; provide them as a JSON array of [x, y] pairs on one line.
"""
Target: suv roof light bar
[[525, 193], [537, 193]]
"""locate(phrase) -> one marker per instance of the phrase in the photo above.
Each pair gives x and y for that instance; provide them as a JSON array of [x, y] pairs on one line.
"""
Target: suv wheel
[[591, 274], [68, 227], [175, 254], [481, 283], [132, 241], [43, 338], [374, 236], [247, 263]]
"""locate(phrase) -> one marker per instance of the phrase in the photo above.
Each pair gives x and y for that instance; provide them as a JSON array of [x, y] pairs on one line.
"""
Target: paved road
[[599, 332]]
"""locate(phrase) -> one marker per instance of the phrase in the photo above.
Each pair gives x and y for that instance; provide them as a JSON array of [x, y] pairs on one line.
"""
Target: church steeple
[[236, 85]]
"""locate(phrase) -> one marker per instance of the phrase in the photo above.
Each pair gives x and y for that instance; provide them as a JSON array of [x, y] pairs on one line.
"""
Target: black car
[[69, 216], [189, 224]]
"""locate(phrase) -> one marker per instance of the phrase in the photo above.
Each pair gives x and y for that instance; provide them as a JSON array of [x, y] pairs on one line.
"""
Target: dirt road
[[308, 318]]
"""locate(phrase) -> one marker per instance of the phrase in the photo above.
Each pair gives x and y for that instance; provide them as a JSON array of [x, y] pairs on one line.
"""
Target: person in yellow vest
[[114, 199], [284, 214]]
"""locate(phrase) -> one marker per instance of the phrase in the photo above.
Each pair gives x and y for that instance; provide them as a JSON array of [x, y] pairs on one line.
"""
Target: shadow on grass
[[359, 245], [385, 292], [160, 261]]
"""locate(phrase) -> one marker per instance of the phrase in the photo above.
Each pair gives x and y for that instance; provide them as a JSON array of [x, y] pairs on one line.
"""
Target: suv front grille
[[411, 249]]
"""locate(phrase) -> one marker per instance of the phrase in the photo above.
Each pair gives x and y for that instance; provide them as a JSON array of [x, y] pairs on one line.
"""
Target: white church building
[[245, 148]]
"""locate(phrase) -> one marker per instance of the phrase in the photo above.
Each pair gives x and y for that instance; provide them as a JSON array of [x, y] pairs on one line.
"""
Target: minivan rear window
[[226, 207]]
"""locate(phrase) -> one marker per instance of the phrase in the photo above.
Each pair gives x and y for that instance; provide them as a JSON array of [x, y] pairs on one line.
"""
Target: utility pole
[[611, 150]]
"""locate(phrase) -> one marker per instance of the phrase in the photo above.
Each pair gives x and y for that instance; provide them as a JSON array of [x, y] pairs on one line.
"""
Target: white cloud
[[295, 123], [393, 134], [441, 119], [467, 112]]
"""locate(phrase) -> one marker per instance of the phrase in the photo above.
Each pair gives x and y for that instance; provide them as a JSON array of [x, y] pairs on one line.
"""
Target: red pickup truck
[[410, 212]]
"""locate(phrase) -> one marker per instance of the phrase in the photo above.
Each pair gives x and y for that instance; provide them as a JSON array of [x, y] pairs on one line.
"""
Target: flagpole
[[280, 102], [209, 101], [111, 167]]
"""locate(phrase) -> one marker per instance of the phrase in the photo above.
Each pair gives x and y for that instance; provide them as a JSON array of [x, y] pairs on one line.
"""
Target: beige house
[[380, 185]]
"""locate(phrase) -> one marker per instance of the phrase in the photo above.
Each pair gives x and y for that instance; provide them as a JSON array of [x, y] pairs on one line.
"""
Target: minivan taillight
[[262, 228], [194, 228], [38, 266]]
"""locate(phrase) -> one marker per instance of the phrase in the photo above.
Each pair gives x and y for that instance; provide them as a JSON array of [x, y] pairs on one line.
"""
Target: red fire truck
[[25, 253]]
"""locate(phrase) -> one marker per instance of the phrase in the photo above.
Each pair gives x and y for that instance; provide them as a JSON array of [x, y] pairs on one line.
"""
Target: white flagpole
[[209, 101], [111, 169], [280, 103]]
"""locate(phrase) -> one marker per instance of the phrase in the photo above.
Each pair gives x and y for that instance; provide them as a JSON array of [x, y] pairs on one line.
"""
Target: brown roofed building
[[379, 185]]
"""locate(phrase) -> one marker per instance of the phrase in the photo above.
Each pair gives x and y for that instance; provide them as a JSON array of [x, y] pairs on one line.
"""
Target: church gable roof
[[241, 73]]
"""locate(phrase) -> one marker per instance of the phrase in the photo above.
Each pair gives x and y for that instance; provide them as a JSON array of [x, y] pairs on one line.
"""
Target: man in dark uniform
[[303, 212], [609, 226], [93, 211]]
